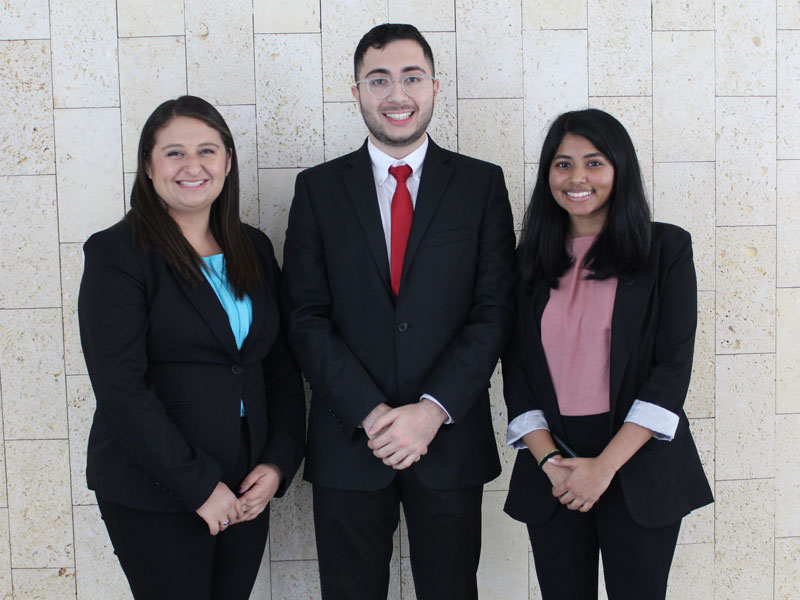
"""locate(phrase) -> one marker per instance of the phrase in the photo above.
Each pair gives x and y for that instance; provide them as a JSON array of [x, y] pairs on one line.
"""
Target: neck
[[398, 152], [197, 231]]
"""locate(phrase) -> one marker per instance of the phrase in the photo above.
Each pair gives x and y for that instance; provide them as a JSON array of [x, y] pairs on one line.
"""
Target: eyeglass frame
[[394, 81]]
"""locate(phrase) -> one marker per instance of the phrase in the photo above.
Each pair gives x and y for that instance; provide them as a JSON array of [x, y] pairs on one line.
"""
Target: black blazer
[[168, 378], [359, 346], [652, 344]]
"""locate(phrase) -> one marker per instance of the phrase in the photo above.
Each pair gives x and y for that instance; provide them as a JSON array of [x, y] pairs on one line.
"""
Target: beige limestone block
[[343, 25], [286, 16], [788, 223], [289, 100], [28, 242], [219, 51], [543, 14], [636, 115], [407, 581], [425, 15], [84, 50], [152, 70], [745, 47], [500, 422], [262, 588], [531, 173], [620, 40], [555, 80], [3, 493], [677, 15], [787, 351], [44, 584], [99, 574], [789, 94], [788, 14], [491, 130], [291, 525], [692, 572], [745, 416], [344, 128], [25, 20], [39, 507], [89, 161], [444, 123], [684, 195], [502, 574], [140, 18], [80, 408], [27, 144], [5, 557], [744, 544], [489, 44], [295, 580], [276, 191], [698, 526], [700, 398], [395, 569], [787, 568], [746, 168], [683, 96], [787, 476], [241, 121], [745, 284], [32, 364], [534, 592], [128, 179], [71, 272]]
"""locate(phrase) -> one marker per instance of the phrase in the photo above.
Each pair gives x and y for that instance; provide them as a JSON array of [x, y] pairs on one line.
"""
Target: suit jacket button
[[402, 327], [237, 369]]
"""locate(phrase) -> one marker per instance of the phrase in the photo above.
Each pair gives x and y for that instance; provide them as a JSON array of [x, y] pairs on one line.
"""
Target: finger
[[237, 507], [381, 423], [248, 481]]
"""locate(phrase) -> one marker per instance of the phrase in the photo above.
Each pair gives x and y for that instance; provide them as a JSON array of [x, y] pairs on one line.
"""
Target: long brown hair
[[154, 228]]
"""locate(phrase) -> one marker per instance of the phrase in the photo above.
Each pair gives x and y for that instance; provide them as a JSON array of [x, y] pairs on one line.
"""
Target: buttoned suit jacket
[[359, 345], [652, 344], [168, 378]]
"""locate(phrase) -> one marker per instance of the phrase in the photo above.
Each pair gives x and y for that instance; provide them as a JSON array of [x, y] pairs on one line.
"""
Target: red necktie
[[402, 213]]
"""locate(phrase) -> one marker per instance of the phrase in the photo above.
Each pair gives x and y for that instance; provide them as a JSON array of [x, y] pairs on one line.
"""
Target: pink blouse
[[576, 335]]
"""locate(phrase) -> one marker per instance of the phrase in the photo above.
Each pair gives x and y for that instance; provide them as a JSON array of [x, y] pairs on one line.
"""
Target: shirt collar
[[382, 161]]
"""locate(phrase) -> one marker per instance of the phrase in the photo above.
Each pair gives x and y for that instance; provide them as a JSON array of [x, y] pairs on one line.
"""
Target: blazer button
[[237, 369], [402, 327]]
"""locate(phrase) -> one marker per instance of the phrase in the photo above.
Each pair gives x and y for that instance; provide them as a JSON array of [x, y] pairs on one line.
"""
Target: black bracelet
[[548, 456]]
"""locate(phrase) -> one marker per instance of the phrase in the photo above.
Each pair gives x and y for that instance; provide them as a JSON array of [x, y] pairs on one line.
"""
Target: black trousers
[[354, 532], [172, 556], [636, 559]]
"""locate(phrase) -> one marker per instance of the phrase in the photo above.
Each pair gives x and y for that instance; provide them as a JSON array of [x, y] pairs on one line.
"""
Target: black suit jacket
[[168, 378], [359, 346], [652, 344]]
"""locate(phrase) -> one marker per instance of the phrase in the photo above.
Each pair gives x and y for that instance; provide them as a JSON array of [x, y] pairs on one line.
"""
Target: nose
[[192, 164], [578, 174], [397, 93]]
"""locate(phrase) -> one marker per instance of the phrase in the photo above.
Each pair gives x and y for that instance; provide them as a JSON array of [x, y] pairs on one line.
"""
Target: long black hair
[[623, 244], [154, 228]]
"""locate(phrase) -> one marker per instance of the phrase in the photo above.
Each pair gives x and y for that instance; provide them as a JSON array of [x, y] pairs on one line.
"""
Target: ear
[[228, 164], [356, 93], [435, 87]]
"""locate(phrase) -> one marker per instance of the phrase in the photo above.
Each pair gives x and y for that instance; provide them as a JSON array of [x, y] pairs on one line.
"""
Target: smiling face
[[581, 179], [397, 123], [188, 166]]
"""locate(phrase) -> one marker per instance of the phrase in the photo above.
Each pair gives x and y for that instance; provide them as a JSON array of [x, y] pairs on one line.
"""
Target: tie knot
[[400, 172]]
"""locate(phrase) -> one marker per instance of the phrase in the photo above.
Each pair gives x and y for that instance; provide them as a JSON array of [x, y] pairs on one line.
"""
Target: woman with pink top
[[596, 374]]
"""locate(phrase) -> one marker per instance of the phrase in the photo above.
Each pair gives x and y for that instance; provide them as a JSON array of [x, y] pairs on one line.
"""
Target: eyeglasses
[[381, 87]]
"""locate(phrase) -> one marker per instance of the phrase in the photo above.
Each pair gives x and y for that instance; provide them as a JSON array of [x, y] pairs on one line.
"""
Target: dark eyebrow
[[384, 71], [590, 155], [176, 145]]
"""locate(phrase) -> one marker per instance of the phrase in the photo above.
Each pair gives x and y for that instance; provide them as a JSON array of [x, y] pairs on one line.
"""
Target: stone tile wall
[[710, 91]]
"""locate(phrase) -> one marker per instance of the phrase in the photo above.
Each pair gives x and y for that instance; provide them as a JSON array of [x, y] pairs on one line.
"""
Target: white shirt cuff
[[662, 422], [439, 404], [522, 425]]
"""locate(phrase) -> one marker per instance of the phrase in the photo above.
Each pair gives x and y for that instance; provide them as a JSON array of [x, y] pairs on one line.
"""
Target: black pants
[[636, 559], [172, 556], [354, 532]]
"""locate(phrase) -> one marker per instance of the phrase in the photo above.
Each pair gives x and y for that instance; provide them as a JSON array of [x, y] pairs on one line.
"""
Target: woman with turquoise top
[[200, 408]]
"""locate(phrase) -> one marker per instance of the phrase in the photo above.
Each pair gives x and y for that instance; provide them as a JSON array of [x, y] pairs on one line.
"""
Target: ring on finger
[[225, 523]]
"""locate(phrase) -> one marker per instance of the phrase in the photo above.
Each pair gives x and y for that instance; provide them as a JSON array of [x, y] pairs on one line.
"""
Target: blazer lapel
[[436, 175], [205, 300], [360, 186]]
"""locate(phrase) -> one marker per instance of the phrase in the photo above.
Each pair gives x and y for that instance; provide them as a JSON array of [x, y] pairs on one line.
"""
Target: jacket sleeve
[[671, 368], [341, 380], [112, 311], [464, 369], [285, 396]]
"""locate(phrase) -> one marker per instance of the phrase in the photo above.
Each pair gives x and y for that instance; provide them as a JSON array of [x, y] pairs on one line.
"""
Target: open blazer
[[652, 344], [168, 378]]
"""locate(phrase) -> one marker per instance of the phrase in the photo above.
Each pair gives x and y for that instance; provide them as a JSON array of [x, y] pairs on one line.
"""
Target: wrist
[[436, 411]]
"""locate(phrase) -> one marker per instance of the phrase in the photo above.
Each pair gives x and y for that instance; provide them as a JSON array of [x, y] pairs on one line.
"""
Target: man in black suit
[[398, 275]]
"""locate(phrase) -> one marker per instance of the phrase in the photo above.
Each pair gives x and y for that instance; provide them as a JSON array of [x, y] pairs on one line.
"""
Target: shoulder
[[117, 239], [336, 165], [259, 239], [668, 239]]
